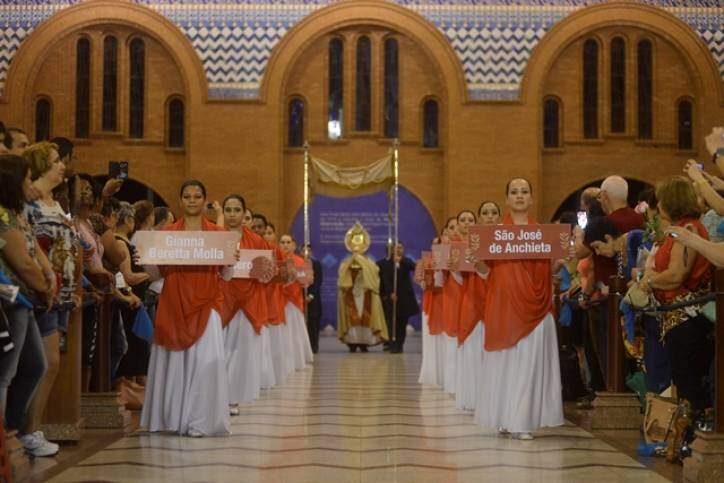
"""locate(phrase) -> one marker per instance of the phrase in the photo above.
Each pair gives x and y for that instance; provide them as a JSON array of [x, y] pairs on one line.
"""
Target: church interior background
[[563, 92]]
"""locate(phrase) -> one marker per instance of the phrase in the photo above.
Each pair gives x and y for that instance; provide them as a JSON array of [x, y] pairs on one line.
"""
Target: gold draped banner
[[341, 182]]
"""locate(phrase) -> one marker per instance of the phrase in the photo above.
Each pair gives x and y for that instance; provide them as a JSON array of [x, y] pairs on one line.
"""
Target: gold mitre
[[357, 239]]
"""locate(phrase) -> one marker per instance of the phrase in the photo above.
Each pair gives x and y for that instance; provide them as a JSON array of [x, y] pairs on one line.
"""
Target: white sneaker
[[524, 436], [234, 410], [36, 445], [503, 431], [195, 433]]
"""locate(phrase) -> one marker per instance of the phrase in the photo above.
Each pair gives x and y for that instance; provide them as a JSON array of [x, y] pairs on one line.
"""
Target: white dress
[[520, 387], [243, 347], [280, 344], [188, 389], [267, 376], [301, 347], [428, 369], [470, 357]]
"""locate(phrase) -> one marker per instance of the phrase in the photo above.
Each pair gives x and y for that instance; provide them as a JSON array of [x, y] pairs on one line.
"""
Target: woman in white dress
[[520, 387], [187, 388]]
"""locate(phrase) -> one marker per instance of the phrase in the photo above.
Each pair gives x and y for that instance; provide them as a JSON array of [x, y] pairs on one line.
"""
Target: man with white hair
[[619, 218], [614, 194]]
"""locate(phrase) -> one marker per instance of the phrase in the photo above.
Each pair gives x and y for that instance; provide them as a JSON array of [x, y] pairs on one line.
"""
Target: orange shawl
[[452, 296], [293, 291], [275, 294], [435, 314], [189, 293], [246, 294], [472, 309], [519, 296]]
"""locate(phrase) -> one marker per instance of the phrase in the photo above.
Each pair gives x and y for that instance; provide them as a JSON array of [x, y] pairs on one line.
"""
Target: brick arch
[[31, 55], [698, 58], [369, 12]]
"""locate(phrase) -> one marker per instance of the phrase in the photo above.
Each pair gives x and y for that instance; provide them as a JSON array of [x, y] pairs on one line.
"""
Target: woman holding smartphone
[[187, 389]]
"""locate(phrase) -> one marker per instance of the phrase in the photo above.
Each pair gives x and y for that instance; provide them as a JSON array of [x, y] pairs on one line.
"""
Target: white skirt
[[279, 341], [243, 359], [450, 361], [188, 389], [520, 388], [301, 347], [268, 378], [440, 351], [470, 358], [428, 371]]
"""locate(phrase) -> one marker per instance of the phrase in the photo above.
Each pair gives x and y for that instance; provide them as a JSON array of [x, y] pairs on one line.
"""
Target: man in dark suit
[[406, 301], [314, 300]]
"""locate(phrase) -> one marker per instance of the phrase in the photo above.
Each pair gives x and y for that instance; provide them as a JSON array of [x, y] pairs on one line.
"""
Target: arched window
[[590, 89], [618, 85], [336, 89], [110, 84], [82, 88], [43, 114], [137, 88], [392, 90], [551, 123], [176, 123], [430, 124], [645, 89], [363, 85], [295, 130], [685, 125]]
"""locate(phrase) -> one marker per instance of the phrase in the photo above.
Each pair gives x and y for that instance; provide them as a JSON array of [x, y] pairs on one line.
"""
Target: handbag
[[142, 325], [636, 297]]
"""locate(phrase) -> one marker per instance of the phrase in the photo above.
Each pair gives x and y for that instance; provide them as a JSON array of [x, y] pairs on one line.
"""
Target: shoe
[[36, 445], [352, 348], [524, 436], [363, 348], [234, 410], [396, 350], [195, 433], [503, 431]]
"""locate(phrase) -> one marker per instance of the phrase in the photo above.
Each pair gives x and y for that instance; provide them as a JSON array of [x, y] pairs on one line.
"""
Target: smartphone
[[582, 219], [118, 169]]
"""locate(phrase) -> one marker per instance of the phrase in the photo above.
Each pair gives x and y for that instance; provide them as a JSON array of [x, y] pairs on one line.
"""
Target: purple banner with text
[[330, 218]]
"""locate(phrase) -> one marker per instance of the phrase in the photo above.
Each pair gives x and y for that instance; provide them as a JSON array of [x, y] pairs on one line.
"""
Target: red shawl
[[519, 296], [293, 291], [246, 294], [189, 293], [472, 309]]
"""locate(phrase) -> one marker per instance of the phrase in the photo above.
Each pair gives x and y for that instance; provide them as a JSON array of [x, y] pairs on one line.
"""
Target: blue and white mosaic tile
[[234, 38]]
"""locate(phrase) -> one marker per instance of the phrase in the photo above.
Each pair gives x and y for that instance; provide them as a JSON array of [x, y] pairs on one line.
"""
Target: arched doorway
[[330, 218], [572, 202]]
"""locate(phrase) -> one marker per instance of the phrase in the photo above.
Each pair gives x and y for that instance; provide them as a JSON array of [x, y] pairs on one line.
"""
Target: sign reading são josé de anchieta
[[509, 242]]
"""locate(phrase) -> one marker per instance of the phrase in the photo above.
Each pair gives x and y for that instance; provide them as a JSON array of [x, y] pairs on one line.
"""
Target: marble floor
[[358, 418]]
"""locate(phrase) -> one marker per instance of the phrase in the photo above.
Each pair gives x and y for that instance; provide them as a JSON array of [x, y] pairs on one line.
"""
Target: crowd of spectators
[[662, 252]]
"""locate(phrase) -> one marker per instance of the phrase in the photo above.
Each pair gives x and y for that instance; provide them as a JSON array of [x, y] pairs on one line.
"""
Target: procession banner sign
[[440, 256], [186, 247], [463, 258], [305, 274], [256, 264], [511, 242]]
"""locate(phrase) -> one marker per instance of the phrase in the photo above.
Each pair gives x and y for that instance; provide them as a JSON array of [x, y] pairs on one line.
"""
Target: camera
[[118, 170]]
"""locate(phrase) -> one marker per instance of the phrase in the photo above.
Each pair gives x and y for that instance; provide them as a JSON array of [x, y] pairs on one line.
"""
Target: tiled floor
[[358, 418]]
